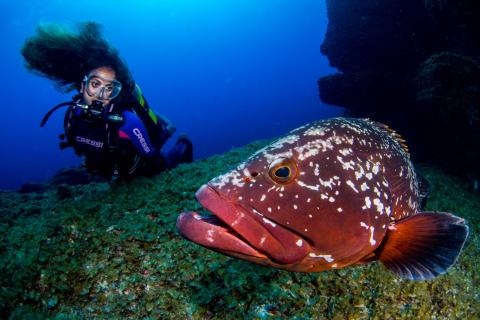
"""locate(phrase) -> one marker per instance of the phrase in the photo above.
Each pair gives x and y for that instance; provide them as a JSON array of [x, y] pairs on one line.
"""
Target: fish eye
[[283, 171]]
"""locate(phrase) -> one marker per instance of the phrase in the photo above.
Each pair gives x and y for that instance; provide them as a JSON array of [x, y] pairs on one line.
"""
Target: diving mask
[[101, 88]]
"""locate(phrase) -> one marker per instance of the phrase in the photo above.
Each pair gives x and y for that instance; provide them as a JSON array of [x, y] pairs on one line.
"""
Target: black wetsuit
[[125, 140]]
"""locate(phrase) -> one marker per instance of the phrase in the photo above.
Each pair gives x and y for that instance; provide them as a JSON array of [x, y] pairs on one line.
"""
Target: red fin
[[423, 246]]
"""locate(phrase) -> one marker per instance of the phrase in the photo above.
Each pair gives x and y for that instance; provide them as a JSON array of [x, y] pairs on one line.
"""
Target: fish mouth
[[239, 231]]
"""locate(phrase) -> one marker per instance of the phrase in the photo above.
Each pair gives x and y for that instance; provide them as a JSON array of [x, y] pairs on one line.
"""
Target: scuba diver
[[108, 122]]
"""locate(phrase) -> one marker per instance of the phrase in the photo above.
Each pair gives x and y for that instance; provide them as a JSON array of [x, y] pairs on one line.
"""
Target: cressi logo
[[93, 143], [142, 140]]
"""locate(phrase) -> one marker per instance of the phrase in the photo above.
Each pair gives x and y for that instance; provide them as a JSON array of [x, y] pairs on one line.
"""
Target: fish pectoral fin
[[423, 246]]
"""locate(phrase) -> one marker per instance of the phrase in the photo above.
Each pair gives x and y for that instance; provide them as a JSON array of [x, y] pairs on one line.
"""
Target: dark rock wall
[[415, 66]]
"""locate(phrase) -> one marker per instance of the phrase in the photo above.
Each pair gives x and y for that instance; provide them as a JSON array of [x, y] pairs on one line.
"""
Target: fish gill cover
[[97, 251]]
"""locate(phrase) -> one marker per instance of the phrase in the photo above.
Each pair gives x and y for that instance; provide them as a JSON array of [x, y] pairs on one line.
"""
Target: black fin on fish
[[423, 190], [423, 246]]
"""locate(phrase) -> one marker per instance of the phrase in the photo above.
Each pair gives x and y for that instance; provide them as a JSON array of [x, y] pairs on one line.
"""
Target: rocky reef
[[97, 251], [414, 65]]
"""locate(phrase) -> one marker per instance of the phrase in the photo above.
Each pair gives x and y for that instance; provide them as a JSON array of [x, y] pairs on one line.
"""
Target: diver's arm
[[159, 127]]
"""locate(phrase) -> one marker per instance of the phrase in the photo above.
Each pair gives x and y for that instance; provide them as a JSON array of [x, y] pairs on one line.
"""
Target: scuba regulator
[[97, 112], [94, 112]]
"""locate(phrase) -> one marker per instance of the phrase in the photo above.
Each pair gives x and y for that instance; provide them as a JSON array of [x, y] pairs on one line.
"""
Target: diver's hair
[[66, 57]]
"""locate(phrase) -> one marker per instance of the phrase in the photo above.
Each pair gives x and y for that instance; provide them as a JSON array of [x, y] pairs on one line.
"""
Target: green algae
[[101, 251]]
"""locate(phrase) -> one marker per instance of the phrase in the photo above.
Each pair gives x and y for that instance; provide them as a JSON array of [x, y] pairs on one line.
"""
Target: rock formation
[[414, 65]]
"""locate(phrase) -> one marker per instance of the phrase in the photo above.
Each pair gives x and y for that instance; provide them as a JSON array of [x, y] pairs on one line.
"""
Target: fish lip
[[196, 228], [216, 235], [246, 231]]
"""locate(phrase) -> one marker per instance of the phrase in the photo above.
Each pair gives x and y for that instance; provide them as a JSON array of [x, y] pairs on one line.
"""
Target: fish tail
[[423, 246]]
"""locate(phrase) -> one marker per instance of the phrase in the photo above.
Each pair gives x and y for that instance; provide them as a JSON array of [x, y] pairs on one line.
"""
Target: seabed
[[101, 251]]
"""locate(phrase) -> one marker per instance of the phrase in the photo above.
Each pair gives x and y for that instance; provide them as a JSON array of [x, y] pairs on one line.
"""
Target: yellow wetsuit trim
[[141, 100]]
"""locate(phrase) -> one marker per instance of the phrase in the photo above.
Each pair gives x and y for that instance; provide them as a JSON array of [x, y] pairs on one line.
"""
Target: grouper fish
[[330, 194]]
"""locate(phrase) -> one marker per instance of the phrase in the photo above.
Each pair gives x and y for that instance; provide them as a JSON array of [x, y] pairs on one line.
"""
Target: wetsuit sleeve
[[158, 127], [134, 130]]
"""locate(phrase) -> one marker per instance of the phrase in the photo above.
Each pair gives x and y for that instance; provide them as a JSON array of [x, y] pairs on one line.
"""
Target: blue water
[[224, 72]]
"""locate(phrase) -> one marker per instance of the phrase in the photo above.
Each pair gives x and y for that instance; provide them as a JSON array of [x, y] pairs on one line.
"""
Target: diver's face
[[102, 77]]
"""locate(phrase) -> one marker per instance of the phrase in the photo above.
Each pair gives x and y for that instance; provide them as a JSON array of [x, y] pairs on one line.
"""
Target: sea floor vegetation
[[102, 251]]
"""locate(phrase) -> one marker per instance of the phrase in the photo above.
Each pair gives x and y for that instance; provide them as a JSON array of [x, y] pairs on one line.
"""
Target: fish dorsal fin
[[424, 245], [397, 137]]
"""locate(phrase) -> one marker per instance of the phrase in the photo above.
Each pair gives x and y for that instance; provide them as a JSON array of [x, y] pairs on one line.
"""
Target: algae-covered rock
[[112, 251]]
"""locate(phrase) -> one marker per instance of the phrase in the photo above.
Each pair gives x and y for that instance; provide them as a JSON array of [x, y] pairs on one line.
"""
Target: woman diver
[[109, 121]]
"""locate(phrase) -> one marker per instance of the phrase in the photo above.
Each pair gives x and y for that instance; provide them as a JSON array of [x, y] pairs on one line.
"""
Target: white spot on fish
[[368, 203], [372, 241], [328, 183], [359, 174], [273, 224], [346, 165], [364, 187], [210, 236], [299, 242], [351, 185], [302, 184], [378, 204], [314, 131], [262, 240], [339, 209], [326, 257], [257, 212], [263, 197]]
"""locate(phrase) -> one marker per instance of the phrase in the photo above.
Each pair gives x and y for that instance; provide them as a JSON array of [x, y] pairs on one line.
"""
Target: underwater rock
[[385, 52], [64, 177], [74, 176], [447, 92], [33, 188]]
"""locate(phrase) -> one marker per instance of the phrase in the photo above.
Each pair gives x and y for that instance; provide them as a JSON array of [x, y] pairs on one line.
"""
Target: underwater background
[[224, 72], [233, 75]]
